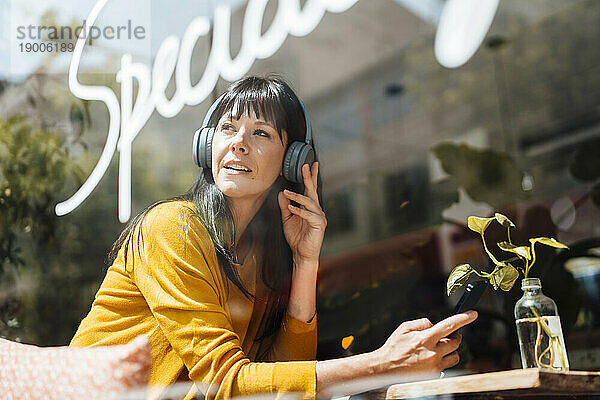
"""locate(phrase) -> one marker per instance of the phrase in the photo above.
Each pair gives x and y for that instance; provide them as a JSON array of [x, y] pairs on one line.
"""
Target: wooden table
[[530, 383]]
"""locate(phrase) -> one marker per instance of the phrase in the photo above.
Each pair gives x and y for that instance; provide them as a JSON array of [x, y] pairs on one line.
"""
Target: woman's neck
[[243, 210]]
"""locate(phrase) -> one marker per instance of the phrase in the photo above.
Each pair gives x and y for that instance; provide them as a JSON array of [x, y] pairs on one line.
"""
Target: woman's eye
[[226, 127], [260, 132]]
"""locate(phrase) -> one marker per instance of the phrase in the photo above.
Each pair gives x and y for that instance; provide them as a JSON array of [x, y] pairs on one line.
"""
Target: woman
[[223, 279]]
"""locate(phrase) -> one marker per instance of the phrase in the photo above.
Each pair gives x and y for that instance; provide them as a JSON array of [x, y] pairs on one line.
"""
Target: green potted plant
[[539, 330]]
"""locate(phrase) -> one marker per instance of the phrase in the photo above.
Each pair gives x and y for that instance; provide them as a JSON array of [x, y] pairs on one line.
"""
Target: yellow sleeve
[[179, 278], [297, 340]]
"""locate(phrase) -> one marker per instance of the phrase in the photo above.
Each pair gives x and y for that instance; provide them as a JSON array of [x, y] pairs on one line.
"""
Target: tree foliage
[[34, 168]]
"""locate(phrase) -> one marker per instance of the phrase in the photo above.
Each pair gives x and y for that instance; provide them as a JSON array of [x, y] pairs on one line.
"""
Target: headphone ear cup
[[296, 156], [210, 134], [195, 143], [202, 147]]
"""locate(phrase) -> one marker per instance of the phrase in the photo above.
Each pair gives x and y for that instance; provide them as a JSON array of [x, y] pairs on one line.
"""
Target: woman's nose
[[238, 142]]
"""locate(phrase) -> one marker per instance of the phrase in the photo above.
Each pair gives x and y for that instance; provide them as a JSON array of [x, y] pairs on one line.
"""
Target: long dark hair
[[272, 99]]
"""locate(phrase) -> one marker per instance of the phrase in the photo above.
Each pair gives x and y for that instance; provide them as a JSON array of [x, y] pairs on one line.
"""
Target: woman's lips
[[235, 171], [236, 168], [236, 165]]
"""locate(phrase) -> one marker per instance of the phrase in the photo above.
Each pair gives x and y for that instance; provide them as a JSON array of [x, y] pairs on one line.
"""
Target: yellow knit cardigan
[[200, 326]]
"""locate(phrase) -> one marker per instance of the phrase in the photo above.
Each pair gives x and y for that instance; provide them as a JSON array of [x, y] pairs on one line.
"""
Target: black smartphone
[[470, 297]]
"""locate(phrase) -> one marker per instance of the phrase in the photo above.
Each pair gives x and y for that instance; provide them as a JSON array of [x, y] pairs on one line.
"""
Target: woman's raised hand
[[304, 226]]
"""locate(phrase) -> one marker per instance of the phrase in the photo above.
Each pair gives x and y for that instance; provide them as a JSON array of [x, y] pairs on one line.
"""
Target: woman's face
[[247, 156]]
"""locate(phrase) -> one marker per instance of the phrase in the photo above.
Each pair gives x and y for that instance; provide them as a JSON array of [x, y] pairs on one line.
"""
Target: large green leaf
[[459, 275], [479, 224], [505, 277], [548, 242], [504, 221], [522, 251]]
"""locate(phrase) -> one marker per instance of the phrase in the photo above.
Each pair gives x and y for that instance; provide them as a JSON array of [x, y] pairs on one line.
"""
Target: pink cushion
[[31, 372]]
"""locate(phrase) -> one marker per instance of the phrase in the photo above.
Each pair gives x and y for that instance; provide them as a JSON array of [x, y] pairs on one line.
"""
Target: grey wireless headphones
[[297, 154]]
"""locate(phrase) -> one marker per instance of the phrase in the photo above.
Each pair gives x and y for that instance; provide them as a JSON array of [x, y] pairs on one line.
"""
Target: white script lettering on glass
[[174, 56]]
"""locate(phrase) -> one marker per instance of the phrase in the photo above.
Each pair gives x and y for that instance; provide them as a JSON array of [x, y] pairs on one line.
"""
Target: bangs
[[262, 99]]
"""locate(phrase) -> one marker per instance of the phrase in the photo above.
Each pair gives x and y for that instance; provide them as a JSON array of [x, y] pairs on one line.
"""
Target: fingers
[[309, 175], [451, 324], [312, 218], [311, 210], [455, 335], [411, 345], [450, 344], [307, 202], [450, 360], [284, 204], [415, 325]]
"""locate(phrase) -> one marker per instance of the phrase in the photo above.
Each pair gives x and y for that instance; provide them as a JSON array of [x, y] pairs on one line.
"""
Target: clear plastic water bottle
[[538, 326]]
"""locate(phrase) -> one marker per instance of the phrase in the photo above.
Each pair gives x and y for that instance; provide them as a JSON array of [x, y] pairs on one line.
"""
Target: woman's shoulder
[[174, 242], [171, 210], [173, 217]]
